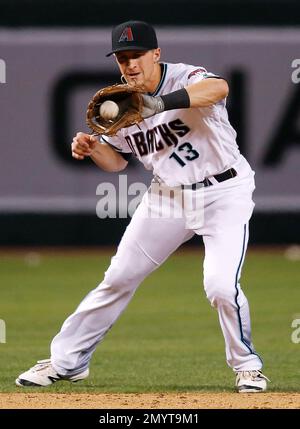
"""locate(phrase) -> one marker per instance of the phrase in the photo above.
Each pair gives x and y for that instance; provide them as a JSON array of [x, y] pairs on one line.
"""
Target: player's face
[[140, 68]]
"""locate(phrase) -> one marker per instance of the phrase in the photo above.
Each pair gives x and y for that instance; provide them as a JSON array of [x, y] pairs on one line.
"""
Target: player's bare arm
[[207, 92], [103, 155], [201, 94]]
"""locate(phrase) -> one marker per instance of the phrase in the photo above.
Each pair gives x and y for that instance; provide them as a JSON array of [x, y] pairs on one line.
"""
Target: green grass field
[[169, 337]]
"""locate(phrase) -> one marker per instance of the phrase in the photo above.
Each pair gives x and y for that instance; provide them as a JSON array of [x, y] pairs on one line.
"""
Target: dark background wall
[[85, 230], [163, 12]]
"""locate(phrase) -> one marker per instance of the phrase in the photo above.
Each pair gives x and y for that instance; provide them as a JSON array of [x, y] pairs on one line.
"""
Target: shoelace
[[252, 374], [41, 364]]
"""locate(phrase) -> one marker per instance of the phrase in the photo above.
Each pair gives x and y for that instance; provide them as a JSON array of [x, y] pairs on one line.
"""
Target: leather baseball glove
[[130, 104]]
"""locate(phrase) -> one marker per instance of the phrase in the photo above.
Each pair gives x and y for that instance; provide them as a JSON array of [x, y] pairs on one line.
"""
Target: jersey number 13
[[187, 153]]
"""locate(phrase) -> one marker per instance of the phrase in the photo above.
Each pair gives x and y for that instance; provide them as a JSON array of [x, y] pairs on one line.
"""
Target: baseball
[[109, 110]]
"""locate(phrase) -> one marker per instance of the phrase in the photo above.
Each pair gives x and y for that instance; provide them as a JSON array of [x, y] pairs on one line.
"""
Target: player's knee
[[121, 277], [117, 280], [126, 273], [219, 291]]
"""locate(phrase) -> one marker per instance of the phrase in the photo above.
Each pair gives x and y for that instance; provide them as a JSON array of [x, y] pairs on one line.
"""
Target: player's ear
[[156, 55]]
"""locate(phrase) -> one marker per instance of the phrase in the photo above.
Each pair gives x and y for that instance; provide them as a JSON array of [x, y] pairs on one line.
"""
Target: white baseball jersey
[[182, 146]]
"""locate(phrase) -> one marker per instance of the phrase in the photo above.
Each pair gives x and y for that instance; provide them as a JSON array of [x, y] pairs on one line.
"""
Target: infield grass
[[169, 337]]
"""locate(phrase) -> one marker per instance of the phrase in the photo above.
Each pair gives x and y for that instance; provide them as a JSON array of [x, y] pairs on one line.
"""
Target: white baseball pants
[[145, 245]]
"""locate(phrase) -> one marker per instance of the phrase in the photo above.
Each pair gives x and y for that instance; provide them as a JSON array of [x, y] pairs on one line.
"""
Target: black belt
[[228, 174]]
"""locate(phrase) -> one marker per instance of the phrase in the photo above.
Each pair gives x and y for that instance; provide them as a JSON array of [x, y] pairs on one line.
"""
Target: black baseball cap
[[133, 36]]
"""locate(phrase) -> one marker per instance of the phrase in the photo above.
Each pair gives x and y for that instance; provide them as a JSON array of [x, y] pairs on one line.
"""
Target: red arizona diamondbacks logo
[[127, 35], [200, 70]]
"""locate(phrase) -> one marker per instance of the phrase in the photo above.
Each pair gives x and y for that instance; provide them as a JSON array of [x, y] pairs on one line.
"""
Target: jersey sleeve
[[119, 144], [197, 74]]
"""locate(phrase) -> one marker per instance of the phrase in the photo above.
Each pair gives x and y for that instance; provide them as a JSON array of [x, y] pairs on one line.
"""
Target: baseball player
[[189, 144]]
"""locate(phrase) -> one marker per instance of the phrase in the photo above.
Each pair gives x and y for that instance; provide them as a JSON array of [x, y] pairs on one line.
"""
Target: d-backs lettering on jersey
[[142, 143], [182, 146]]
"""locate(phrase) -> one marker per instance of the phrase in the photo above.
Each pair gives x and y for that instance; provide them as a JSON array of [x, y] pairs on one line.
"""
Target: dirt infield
[[150, 400]]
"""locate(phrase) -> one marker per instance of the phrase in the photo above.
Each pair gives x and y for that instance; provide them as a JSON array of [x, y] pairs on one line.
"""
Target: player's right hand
[[83, 145]]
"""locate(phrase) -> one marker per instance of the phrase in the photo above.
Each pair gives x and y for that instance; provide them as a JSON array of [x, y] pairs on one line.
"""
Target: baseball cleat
[[43, 374], [251, 381]]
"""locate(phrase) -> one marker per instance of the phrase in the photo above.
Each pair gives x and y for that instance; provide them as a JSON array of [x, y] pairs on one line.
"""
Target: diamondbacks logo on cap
[[127, 35]]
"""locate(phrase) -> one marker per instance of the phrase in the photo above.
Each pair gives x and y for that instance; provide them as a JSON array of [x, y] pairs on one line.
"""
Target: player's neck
[[153, 84]]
